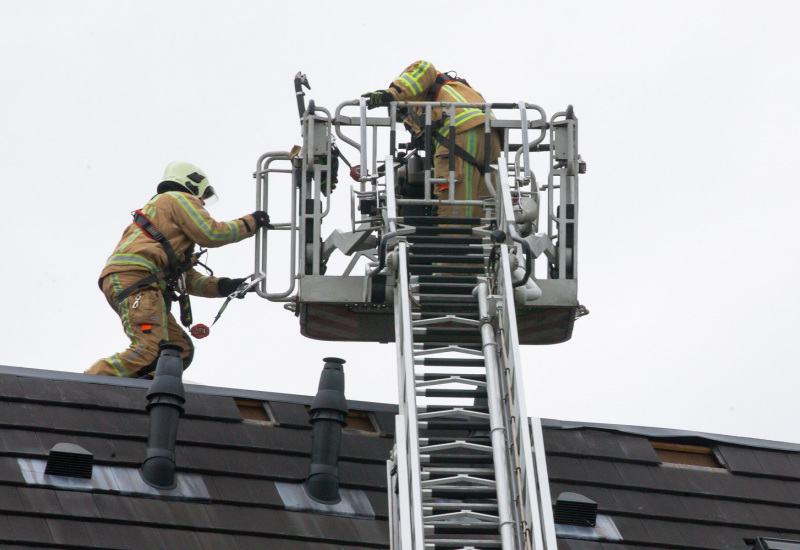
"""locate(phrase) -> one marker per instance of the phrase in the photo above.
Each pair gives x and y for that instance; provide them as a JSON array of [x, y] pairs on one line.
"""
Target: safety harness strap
[[443, 141], [143, 222]]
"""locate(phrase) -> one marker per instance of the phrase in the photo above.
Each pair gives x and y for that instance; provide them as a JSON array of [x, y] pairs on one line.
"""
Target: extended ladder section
[[457, 295]]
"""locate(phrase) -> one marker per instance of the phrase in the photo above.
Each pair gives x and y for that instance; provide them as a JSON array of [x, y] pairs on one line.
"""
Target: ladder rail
[[531, 466], [496, 420], [261, 175]]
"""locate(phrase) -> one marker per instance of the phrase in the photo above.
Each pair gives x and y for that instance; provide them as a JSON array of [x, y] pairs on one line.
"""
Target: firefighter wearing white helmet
[[193, 179], [153, 266]]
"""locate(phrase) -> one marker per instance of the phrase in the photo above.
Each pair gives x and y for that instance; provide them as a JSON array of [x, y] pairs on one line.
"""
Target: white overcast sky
[[689, 119]]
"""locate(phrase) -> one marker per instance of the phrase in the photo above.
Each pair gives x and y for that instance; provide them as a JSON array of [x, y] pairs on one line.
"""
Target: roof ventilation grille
[[69, 460], [575, 509]]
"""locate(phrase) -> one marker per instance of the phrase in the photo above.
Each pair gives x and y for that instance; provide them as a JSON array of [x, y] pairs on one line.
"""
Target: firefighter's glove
[[334, 173], [227, 286], [262, 219], [378, 98]]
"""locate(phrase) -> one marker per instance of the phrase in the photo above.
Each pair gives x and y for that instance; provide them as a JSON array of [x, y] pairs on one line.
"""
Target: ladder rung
[[451, 362], [439, 392], [444, 239], [432, 230], [428, 269], [439, 220], [445, 279], [427, 259], [449, 375], [446, 289]]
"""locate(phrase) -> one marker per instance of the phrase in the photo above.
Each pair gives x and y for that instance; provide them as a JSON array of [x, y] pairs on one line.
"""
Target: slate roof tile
[[638, 449], [220, 407], [565, 441], [43, 501], [78, 504], [291, 414], [21, 442], [365, 447], [69, 532], [201, 459], [635, 475], [10, 387], [602, 444], [138, 398], [740, 460], [370, 532], [775, 517], [777, 463], [736, 513], [663, 532], [180, 539], [189, 514], [123, 536], [283, 467], [29, 415], [10, 471], [252, 463], [289, 440], [603, 471], [631, 529], [40, 389], [701, 509], [10, 500], [29, 529], [129, 451], [700, 536], [152, 510], [379, 502], [667, 478], [194, 406], [707, 483], [104, 395], [566, 469], [113, 507], [217, 541], [386, 423]]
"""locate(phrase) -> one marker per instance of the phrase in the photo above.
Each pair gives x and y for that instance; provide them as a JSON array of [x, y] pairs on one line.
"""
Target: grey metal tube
[[498, 437], [165, 400], [328, 416]]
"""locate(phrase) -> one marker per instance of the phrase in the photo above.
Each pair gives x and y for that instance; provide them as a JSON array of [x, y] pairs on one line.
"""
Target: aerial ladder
[[457, 295]]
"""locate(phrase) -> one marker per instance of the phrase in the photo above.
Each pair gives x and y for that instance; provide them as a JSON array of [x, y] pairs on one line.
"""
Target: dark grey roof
[[235, 471], [238, 462]]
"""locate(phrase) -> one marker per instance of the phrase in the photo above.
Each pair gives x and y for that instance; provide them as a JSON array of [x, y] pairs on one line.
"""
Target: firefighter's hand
[[227, 286], [378, 98], [262, 219]]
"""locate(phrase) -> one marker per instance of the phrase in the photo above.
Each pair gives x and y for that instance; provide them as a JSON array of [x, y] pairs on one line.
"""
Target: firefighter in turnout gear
[[422, 82], [153, 265]]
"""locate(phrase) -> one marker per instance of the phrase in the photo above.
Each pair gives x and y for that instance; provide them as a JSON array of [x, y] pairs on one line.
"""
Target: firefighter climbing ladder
[[468, 470]]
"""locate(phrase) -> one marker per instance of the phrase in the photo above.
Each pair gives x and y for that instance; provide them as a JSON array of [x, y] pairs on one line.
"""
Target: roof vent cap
[[575, 509], [69, 460]]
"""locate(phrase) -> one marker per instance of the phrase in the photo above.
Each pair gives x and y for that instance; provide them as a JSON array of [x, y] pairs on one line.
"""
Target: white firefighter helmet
[[192, 178]]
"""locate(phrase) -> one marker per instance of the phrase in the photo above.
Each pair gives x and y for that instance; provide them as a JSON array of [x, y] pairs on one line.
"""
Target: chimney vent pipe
[[328, 417], [165, 400]]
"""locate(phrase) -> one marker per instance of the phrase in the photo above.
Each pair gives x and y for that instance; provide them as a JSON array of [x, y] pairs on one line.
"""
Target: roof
[[654, 488]]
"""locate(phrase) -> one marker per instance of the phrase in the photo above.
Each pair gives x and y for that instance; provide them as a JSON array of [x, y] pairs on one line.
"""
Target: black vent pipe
[[165, 400], [328, 416]]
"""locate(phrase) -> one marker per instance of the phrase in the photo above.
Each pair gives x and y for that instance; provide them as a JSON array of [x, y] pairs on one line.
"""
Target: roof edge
[[189, 386]]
